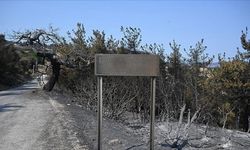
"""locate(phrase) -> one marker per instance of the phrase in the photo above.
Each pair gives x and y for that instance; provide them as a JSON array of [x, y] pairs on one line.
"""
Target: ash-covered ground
[[132, 135]]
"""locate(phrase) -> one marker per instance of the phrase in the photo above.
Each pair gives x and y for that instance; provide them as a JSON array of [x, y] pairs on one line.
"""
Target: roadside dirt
[[33, 119], [131, 135]]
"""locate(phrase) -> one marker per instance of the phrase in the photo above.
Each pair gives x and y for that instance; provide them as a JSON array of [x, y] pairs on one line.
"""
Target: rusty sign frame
[[126, 65]]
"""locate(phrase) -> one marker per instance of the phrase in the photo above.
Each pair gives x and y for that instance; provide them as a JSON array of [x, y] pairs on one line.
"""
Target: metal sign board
[[127, 65]]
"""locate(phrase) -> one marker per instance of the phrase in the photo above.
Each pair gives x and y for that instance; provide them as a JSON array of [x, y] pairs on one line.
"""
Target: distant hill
[[214, 65]]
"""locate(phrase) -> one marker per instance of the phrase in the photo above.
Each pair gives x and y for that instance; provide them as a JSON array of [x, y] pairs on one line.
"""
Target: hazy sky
[[219, 22]]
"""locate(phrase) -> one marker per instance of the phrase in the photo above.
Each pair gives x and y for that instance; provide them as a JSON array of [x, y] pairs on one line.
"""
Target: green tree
[[9, 58], [246, 46], [15, 63], [231, 91]]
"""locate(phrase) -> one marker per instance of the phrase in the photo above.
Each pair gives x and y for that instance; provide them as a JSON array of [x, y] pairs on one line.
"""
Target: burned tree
[[244, 42], [56, 66], [43, 43]]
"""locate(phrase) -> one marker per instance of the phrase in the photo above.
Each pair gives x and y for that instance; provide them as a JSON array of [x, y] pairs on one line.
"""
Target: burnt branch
[[43, 43], [37, 38]]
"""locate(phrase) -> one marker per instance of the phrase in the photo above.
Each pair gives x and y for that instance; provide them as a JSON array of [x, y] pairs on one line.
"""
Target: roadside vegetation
[[15, 64], [190, 88]]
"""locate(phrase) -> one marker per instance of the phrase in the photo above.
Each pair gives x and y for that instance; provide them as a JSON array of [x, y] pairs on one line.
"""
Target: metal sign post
[[152, 112], [99, 115], [126, 65]]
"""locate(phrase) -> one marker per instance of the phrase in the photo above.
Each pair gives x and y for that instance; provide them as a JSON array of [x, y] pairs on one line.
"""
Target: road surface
[[33, 120], [30, 121]]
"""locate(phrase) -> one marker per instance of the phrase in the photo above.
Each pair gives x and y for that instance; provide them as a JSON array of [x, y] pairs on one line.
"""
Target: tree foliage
[[132, 38], [231, 90], [15, 63], [220, 94]]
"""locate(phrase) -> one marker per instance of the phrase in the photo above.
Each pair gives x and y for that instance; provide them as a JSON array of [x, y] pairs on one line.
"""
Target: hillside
[[16, 64]]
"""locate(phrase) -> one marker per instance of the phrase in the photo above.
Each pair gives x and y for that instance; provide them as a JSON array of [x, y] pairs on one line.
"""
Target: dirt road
[[30, 121], [33, 120]]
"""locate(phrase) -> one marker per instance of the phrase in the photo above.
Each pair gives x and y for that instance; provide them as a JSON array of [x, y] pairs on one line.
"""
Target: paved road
[[31, 121]]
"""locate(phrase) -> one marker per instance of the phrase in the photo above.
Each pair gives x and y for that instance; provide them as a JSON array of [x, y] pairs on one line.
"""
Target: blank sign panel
[[126, 65]]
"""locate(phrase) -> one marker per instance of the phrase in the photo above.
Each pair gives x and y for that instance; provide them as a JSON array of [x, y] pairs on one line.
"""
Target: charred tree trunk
[[56, 66], [54, 77], [245, 116]]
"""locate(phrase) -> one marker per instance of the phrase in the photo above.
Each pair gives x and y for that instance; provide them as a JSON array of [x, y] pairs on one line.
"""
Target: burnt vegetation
[[217, 96]]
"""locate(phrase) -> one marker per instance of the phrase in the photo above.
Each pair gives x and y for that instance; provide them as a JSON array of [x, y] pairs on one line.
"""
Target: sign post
[[99, 115], [127, 65], [152, 112]]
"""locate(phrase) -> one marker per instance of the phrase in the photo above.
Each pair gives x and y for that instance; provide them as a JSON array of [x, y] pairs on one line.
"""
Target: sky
[[218, 22]]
